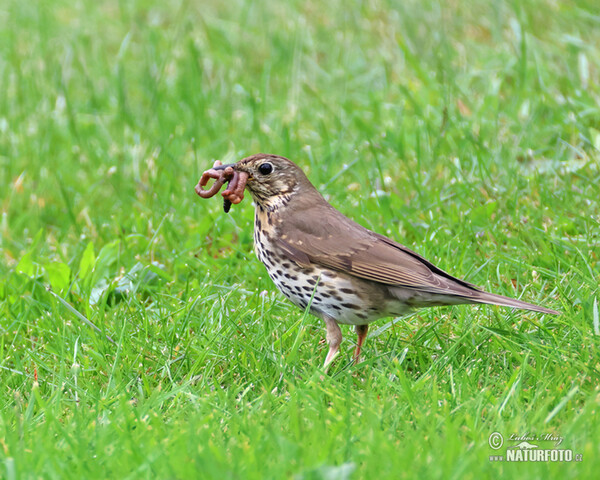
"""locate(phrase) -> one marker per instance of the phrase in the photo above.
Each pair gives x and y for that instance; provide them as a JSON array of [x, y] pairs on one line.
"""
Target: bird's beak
[[223, 167], [232, 165]]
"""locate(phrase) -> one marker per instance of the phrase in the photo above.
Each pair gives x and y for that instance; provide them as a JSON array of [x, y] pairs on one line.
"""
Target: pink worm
[[235, 188]]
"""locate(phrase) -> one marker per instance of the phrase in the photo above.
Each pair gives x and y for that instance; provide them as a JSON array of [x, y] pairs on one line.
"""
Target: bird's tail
[[494, 299]]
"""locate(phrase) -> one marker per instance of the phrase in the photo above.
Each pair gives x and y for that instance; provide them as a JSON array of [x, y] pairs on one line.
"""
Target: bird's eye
[[265, 168]]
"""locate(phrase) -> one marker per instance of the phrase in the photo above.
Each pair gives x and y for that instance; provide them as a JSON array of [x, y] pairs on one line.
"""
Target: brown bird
[[343, 272]]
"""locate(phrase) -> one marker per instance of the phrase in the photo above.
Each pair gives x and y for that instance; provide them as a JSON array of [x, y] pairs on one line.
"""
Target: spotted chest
[[330, 294], [295, 283]]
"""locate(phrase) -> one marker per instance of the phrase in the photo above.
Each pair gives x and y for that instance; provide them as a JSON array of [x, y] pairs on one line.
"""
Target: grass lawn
[[141, 338]]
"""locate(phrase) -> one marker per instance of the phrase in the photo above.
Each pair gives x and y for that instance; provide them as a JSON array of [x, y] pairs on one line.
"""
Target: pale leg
[[334, 338]]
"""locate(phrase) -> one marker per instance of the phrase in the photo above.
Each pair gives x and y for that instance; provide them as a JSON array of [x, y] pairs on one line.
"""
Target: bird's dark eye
[[265, 168]]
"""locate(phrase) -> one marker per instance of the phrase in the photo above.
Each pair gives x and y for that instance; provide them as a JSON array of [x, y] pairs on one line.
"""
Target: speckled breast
[[337, 295]]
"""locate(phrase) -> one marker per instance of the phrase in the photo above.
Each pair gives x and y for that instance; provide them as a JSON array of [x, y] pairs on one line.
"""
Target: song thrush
[[320, 259]]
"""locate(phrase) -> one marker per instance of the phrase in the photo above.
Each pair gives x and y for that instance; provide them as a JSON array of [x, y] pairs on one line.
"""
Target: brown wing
[[325, 237], [330, 239]]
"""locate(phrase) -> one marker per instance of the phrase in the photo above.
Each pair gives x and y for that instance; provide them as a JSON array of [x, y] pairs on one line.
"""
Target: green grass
[[479, 123]]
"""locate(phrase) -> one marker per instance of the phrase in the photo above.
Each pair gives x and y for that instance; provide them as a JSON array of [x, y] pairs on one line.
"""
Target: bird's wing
[[334, 241]]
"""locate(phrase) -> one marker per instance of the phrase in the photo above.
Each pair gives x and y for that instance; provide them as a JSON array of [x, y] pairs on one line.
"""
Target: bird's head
[[272, 179]]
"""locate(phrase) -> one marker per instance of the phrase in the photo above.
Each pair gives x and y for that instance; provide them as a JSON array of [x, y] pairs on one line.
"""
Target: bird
[[341, 271]]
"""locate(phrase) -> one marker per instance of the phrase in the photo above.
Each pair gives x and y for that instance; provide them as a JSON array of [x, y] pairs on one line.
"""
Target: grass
[[141, 338]]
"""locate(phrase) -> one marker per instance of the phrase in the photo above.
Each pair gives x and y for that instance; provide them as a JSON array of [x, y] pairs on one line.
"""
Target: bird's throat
[[273, 203]]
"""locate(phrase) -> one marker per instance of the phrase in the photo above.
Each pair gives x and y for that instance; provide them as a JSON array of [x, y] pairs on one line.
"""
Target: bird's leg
[[334, 338], [361, 331]]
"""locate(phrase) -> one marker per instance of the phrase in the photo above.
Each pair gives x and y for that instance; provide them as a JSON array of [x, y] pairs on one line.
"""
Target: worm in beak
[[221, 174]]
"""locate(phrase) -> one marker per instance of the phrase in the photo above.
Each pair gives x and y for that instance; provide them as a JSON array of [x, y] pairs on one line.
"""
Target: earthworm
[[235, 188]]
